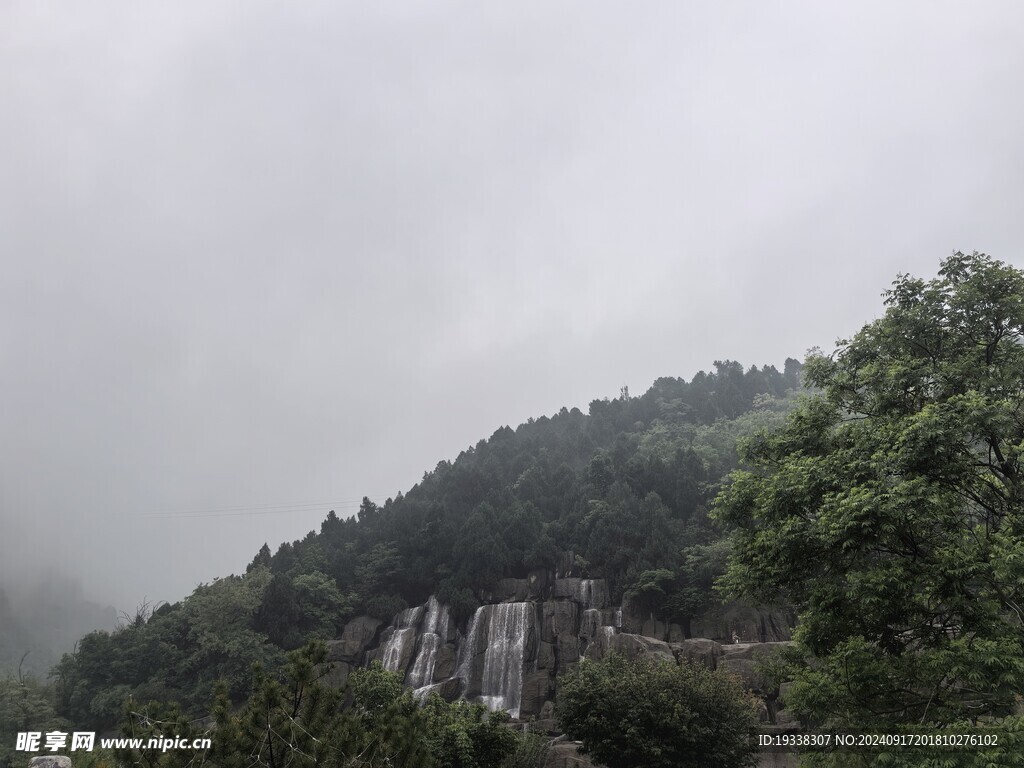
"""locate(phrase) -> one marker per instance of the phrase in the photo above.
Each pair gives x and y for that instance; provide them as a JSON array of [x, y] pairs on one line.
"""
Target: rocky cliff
[[510, 653]]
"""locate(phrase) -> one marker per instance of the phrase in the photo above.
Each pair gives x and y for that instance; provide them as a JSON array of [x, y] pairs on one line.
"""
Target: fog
[[263, 259]]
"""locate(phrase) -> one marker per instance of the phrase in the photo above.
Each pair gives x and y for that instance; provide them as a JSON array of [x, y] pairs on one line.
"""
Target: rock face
[[511, 653], [565, 754], [749, 624], [741, 659], [355, 639]]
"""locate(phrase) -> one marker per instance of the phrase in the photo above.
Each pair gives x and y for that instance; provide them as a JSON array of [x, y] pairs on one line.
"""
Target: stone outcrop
[[750, 624], [701, 649], [50, 761], [742, 659], [357, 636], [566, 754], [532, 630]]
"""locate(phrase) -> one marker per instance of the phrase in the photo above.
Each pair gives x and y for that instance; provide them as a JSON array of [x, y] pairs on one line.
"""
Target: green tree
[[888, 511], [657, 714]]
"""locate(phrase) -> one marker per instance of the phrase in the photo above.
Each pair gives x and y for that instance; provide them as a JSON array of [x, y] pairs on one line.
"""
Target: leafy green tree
[[888, 510], [657, 714]]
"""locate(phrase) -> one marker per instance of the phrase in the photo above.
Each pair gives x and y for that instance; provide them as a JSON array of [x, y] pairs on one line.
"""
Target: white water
[[467, 649], [593, 593], [405, 631], [394, 648], [501, 686], [435, 630], [618, 618]]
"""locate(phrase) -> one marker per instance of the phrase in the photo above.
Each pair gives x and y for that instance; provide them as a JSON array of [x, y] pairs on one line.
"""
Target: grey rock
[[50, 761], [566, 754], [631, 646], [567, 589], [334, 674], [786, 718], [450, 689], [751, 624], [568, 648], [654, 628], [707, 652], [513, 590], [545, 655], [675, 633], [444, 664], [537, 689], [558, 618], [355, 638]]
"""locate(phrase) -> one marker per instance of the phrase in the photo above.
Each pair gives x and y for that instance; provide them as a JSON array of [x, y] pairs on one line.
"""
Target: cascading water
[[593, 593], [405, 631], [467, 649], [501, 686], [435, 630]]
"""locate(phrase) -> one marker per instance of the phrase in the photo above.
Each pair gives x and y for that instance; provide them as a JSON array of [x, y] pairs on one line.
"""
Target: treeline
[[626, 488]]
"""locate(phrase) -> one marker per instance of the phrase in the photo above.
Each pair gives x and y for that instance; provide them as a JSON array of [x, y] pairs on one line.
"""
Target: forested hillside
[[620, 493]]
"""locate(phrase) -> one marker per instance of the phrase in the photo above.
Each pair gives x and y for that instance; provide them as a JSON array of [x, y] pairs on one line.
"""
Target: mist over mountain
[[43, 614]]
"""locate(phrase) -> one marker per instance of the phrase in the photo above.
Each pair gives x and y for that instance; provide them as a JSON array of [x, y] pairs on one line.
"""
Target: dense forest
[[624, 490]]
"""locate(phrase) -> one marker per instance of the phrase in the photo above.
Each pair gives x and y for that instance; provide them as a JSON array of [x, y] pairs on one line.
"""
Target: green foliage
[[463, 735], [657, 714], [888, 511]]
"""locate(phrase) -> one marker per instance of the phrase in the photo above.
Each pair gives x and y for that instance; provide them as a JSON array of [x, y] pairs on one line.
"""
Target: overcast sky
[[291, 254]]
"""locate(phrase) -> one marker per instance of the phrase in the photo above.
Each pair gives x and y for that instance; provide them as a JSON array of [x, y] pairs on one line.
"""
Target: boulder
[[512, 590], [545, 655], [567, 589], [450, 690], [566, 754], [631, 646], [707, 652], [654, 628], [444, 664], [355, 638], [537, 689], [742, 660], [50, 761], [540, 583], [558, 618], [750, 624], [568, 648], [786, 718]]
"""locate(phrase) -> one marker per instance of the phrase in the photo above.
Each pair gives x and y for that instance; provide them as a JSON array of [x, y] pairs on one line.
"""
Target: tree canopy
[[657, 714], [888, 511]]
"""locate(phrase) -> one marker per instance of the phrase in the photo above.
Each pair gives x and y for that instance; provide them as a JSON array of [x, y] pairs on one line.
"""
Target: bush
[[658, 714]]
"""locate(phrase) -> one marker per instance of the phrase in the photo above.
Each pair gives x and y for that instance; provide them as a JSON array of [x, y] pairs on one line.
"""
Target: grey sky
[[275, 253]]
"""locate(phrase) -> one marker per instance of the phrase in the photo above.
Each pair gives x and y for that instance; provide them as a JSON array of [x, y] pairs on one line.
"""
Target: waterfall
[[405, 630], [395, 647], [435, 631], [502, 684], [618, 618], [593, 593], [467, 650]]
